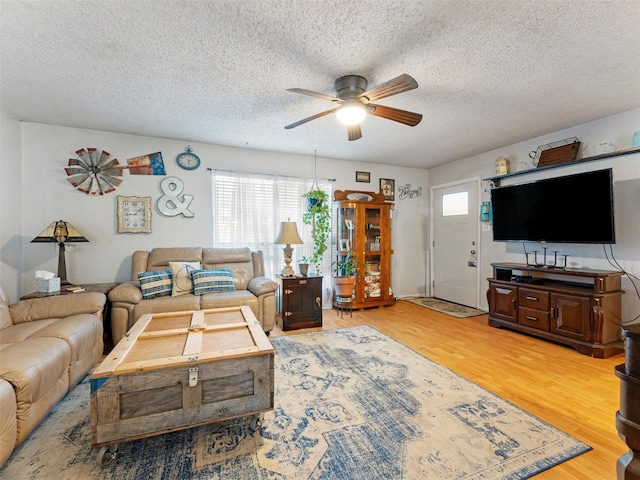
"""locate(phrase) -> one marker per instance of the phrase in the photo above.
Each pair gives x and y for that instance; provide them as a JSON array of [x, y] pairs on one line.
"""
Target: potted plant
[[303, 266], [319, 217], [346, 271]]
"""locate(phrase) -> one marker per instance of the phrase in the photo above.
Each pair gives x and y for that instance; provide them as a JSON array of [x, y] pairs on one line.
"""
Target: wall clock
[[188, 160], [134, 214]]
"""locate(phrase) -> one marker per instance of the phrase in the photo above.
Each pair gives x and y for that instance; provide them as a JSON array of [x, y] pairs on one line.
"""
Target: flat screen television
[[570, 209]]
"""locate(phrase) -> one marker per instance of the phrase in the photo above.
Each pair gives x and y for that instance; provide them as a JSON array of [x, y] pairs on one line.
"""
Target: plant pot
[[344, 286], [312, 202], [304, 268]]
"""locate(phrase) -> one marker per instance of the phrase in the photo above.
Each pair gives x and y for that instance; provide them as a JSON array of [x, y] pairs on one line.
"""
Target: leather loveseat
[[250, 286], [47, 345]]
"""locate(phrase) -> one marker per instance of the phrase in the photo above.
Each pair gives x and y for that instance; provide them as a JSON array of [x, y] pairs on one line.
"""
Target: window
[[455, 204], [248, 208]]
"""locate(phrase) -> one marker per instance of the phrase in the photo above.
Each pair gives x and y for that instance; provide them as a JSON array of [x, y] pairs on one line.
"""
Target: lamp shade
[[59, 232], [288, 234]]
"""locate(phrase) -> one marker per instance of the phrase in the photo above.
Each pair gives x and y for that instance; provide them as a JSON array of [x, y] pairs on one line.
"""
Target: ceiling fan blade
[[394, 86], [308, 119], [395, 114], [354, 132], [315, 94]]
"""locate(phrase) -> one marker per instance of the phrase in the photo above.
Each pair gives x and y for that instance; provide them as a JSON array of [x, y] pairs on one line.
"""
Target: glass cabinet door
[[346, 230], [373, 242]]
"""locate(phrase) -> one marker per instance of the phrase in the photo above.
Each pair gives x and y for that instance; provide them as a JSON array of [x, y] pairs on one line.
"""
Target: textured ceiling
[[490, 73]]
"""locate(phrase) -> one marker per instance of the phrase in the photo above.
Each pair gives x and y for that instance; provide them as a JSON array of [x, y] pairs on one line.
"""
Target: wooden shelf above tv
[[496, 180]]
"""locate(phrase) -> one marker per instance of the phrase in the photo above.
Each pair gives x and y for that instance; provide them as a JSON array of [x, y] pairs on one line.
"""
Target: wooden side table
[[299, 302], [88, 288]]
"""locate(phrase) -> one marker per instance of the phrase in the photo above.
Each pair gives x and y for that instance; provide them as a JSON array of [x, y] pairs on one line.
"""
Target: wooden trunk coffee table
[[179, 370]]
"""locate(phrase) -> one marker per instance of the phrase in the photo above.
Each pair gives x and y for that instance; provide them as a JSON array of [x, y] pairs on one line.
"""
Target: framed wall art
[[364, 177], [134, 214], [388, 188]]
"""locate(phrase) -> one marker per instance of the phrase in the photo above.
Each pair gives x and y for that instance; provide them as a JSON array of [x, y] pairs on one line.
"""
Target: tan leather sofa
[[47, 345], [247, 269]]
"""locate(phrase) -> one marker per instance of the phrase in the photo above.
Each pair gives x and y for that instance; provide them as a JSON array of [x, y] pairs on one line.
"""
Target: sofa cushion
[[22, 331], [159, 258], [83, 334], [230, 299], [210, 281], [238, 260], [38, 369], [181, 272], [166, 304], [156, 284]]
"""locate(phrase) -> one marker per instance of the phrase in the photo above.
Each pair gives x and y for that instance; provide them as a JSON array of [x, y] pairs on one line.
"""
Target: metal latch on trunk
[[193, 376]]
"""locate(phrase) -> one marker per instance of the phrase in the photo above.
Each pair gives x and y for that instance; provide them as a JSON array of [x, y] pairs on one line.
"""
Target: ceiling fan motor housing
[[350, 86]]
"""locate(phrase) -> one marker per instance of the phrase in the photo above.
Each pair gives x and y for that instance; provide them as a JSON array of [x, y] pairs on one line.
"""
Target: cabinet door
[[503, 302], [301, 299], [375, 283], [571, 316]]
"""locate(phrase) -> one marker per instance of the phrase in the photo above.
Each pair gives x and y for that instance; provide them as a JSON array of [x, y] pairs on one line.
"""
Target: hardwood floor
[[575, 393]]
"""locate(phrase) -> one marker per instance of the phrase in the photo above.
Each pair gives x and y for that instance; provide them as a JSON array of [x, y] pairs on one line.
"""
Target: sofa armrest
[[126, 293], [57, 306], [261, 285]]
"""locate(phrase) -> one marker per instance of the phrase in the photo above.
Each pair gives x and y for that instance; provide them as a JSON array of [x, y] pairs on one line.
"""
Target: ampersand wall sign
[[170, 203]]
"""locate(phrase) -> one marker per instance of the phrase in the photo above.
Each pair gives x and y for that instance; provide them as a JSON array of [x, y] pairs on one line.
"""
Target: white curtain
[[247, 210]]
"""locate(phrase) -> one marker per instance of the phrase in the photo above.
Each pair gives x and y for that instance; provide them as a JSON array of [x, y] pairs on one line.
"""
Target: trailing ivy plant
[[318, 216]]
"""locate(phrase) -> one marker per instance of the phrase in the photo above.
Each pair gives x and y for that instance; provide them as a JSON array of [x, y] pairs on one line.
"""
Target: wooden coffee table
[[179, 370]]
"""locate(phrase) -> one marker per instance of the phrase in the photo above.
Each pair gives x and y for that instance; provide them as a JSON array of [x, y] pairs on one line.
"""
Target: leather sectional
[[47, 345]]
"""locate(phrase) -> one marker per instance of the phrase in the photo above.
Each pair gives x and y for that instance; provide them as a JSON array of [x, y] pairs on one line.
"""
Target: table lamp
[[60, 232], [288, 235]]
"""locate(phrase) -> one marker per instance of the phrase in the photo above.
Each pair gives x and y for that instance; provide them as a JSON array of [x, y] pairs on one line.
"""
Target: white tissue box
[[46, 285]]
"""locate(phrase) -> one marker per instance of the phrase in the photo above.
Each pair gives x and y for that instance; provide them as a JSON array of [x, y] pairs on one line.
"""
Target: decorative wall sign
[[387, 188], [364, 177], [94, 171], [150, 164], [134, 214], [405, 192], [170, 204]]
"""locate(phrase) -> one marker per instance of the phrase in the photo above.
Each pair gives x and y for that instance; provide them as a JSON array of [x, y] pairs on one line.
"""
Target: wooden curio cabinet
[[363, 226]]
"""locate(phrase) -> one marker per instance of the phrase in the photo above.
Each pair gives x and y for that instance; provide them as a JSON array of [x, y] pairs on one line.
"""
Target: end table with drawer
[[299, 302]]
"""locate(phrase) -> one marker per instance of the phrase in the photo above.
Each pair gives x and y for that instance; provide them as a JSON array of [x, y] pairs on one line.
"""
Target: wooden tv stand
[[578, 308]]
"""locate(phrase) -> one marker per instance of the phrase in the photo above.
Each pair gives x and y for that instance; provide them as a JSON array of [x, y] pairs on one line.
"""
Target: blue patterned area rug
[[349, 404]]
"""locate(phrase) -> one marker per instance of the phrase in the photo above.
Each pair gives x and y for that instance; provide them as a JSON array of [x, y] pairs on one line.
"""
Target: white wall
[[11, 242], [617, 129], [48, 196]]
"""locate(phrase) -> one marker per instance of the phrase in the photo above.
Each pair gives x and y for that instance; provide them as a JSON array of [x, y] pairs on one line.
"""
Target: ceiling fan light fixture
[[351, 113]]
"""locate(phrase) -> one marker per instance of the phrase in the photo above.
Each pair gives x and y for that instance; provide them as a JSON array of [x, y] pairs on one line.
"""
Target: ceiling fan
[[354, 102]]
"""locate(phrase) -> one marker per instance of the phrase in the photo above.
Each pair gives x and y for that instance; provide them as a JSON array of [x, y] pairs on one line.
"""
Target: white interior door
[[455, 243]]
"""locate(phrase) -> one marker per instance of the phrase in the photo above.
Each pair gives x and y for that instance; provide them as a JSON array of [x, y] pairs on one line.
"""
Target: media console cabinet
[[578, 308]]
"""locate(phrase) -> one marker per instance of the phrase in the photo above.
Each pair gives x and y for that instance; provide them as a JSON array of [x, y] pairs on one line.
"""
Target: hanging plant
[[319, 217]]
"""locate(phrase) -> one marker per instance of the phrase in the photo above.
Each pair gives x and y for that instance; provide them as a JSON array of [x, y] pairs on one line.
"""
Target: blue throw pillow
[[210, 281], [156, 284]]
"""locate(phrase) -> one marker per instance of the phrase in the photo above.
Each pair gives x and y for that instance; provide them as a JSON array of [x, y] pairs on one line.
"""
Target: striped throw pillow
[[210, 281], [155, 284]]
